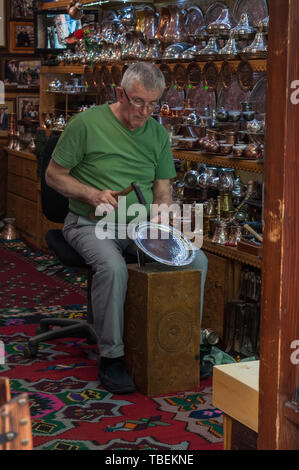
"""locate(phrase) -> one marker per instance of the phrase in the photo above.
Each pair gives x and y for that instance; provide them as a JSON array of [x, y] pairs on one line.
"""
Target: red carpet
[[69, 408]]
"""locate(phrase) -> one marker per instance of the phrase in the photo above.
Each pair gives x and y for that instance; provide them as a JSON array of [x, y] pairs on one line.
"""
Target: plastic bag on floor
[[218, 357]]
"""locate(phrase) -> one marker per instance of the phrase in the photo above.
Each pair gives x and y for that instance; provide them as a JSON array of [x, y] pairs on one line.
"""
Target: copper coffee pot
[[9, 231]]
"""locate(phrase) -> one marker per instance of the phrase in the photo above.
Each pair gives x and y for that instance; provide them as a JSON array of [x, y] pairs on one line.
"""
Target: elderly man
[[99, 154]]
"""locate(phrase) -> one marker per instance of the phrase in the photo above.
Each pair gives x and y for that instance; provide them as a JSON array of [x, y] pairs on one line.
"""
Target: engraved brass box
[[162, 328]]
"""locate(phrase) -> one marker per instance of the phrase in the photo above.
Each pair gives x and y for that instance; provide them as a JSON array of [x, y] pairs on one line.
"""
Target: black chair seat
[[64, 252]]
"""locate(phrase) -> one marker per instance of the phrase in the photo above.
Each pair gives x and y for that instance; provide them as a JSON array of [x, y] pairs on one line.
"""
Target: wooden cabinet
[[3, 176], [24, 199], [22, 193]]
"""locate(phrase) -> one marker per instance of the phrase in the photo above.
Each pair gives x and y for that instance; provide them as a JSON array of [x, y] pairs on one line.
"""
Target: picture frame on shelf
[[20, 72], [21, 9], [28, 109], [2, 24], [21, 35], [7, 108]]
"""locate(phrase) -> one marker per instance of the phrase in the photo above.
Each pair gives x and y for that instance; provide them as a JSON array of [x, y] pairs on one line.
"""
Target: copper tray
[[245, 76], [226, 75], [210, 76], [194, 74]]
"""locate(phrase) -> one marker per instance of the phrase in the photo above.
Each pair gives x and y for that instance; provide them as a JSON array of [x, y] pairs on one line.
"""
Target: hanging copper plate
[[98, 78], [167, 74], [245, 76], [194, 75], [90, 78], [180, 77], [116, 74], [210, 76], [106, 76], [259, 94], [226, 75]]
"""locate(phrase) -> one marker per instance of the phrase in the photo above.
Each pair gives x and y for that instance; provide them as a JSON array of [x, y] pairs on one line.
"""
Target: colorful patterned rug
[[69, 408]]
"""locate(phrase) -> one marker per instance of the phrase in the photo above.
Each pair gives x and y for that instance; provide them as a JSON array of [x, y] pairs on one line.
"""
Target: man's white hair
[[145, 73]]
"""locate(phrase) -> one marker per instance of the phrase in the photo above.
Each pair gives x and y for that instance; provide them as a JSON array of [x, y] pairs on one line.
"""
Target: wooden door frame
[[280, 269]]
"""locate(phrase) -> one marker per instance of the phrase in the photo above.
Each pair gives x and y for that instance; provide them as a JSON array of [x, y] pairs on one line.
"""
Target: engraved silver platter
[[164, 244]]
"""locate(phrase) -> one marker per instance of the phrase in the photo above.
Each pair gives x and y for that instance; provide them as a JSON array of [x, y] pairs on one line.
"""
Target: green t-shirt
[[102, 152]]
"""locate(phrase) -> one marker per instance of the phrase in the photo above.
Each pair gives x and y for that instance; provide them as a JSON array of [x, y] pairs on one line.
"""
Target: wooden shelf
[[219, 161], [21, 153], [65, 3], [78, 69], [291, 411], [232, 253]]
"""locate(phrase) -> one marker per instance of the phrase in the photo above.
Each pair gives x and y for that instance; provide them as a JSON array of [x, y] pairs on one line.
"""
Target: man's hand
[[107, 196]]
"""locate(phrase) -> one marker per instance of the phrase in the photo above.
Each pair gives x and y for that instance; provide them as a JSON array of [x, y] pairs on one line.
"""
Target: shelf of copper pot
[[197, 156], [257, 64], [232, 253]]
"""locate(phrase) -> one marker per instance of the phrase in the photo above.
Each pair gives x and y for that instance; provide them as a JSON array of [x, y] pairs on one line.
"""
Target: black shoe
[[113, 376]]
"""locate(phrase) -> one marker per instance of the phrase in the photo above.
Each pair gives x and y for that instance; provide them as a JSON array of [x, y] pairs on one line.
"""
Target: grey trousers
[[109, 285]]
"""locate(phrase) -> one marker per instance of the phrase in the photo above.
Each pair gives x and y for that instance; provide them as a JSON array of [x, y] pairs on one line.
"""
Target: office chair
[[55, 208]]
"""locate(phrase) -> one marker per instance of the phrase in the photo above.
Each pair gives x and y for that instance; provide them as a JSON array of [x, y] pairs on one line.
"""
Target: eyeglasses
[[140, 103]]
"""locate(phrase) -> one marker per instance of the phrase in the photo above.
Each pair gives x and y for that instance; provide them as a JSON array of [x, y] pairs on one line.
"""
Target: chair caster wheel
[[30, 351]]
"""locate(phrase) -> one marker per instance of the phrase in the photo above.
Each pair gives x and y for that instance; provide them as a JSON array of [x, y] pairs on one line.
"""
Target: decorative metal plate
[[98, 78], [90, 78], [232, 97], [210, 76], [213, 12], [164, 244], [194, 75], [106, 76], [258, 95], [226, 75], [245, 76], [167, 74], [180, 77], [257, 10], [116, 74], [194, 20]]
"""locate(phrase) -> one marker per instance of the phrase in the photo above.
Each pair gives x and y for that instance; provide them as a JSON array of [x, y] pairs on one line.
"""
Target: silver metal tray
[[164, 244]]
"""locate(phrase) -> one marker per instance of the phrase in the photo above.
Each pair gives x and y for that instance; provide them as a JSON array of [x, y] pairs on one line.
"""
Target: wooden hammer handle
[[124, 192]]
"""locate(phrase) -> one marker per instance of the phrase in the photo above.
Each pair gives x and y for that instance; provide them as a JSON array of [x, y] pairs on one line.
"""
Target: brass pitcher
[[9, 231]]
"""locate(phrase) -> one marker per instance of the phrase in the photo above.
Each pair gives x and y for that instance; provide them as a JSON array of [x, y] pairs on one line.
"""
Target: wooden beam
[[280, 270]]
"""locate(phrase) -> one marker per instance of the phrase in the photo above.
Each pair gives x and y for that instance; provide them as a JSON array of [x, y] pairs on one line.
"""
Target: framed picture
[[2, 24], [7, 108], [20, 72], [21, 37], [21, 9], [28, 109]]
